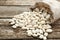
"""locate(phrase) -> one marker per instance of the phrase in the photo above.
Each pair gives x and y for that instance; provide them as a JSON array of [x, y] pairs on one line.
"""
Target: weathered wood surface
[[9, 8], [18, 2], [10, 11]]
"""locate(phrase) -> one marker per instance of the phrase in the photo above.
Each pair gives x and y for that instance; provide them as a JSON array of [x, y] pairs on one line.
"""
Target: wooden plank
[[7, 32], [28, 39], [53, 39], [2, 2], [58, 0], [40, 39], [5, 22], [10, 11], [54, 35], [18, 2]]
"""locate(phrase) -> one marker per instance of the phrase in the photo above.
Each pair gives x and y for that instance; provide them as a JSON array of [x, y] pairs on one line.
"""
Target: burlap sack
[[52, 6]]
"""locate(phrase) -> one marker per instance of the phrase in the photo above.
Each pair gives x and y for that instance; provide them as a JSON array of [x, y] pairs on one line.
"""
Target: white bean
[[42, 22], [44, 38], [41, 31], [14, 26], [37, 30], [38, 34], [41, 36], [25, 28], [48, 16], [49, 30], [46, 26], [29, 33], [12, 22], [45, 34], [33, 31]]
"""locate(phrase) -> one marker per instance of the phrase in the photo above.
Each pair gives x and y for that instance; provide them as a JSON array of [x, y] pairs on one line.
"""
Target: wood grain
[[10, 11], [18, 2], [53, 39]]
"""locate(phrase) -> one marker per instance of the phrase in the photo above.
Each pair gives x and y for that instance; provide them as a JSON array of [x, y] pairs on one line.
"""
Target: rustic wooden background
[[9, 8]]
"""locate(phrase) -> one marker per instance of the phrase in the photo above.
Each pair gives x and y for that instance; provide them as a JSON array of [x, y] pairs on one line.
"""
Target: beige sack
[[52, 6]]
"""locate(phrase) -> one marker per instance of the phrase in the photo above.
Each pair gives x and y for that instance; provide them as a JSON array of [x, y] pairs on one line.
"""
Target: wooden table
[[7, 11]]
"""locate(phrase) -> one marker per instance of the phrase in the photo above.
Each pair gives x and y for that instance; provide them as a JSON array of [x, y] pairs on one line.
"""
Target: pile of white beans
[[36, 23]]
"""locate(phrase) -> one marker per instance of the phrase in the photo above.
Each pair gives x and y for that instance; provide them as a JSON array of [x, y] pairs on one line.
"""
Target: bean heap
[[36, 23]]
